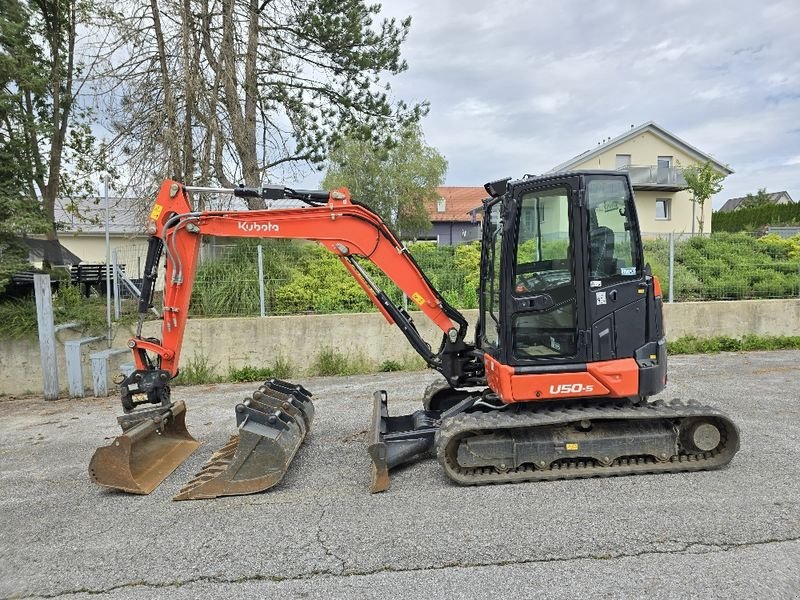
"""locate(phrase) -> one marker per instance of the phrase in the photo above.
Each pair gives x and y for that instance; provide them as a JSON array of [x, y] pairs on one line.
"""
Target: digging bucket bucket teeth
[[153, 444], [397, 440], [272, 425]]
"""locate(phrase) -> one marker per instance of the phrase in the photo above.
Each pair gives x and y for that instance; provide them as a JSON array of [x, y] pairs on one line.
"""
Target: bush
[[18, 317], [735, 266], [320, 284], [389, 366]]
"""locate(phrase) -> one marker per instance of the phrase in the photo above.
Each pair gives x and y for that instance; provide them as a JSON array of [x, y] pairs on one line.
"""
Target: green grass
[[18, 317], [694, 345], [330, 361], [282, 369], [197, 370]]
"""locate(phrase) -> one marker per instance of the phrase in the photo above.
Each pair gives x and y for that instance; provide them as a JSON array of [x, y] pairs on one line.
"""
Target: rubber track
[[456, 428]]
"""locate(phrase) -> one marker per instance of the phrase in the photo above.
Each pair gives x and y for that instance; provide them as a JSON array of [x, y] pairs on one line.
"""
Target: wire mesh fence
[[724, 266], [290, 277], [283, 277]]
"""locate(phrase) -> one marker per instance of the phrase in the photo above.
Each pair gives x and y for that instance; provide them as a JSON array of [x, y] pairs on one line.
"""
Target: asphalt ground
[[732, 533]]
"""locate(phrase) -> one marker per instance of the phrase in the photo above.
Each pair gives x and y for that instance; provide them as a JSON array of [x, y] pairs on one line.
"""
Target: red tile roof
[[458, 202]]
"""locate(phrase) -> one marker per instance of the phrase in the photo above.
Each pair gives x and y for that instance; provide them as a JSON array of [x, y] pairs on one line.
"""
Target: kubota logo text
[[262, 227], [570, 388]]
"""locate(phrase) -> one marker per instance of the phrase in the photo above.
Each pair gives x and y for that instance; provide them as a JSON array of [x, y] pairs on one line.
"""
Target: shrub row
[[752, 219], [727, 266]]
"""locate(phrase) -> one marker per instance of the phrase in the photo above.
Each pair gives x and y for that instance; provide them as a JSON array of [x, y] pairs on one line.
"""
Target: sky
[[518, 87]]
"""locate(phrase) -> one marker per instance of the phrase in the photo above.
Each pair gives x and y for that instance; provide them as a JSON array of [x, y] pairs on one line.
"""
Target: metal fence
[[302, 278], [281, 277], [724, 266]]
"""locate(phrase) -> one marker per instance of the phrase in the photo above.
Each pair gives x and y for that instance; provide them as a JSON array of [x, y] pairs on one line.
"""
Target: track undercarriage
[[478, 443]]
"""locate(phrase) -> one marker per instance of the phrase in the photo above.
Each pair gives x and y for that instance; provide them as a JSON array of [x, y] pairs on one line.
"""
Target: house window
[[663, 212], [440, 205], [623, 160], [664, 162]]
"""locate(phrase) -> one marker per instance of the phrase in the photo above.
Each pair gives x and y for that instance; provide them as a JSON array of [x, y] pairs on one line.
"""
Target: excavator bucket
[[272, 425], [153, 444], [397, 440]]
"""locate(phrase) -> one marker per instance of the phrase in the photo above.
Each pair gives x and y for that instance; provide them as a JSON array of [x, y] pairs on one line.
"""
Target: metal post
[[108, 269], [405, 302], [115, 272], [261, 279], [47, 335], [671, 267]]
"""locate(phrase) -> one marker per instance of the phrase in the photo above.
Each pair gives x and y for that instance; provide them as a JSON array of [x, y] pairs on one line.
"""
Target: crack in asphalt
[[702, 548], [323, 542]]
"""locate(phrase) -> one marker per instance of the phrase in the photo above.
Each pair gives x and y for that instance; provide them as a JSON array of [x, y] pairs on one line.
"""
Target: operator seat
[[601, 260]]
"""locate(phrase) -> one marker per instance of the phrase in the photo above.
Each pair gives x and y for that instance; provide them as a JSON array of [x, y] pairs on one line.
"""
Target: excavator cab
[[563, 280]]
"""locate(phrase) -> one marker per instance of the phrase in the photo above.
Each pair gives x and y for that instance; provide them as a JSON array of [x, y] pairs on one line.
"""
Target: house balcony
[[653, 178]]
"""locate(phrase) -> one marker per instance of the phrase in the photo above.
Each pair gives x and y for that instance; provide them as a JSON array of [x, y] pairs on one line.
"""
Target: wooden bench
[[89, 276]]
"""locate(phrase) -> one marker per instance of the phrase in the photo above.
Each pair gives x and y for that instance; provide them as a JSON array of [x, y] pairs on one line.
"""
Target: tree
[[396, 182], [18, 216], [761, 198], [20, 212], [48, 148], [704, 181], [229, 91]]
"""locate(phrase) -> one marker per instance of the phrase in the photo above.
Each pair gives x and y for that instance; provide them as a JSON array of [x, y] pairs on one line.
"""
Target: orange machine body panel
[[610, 378]]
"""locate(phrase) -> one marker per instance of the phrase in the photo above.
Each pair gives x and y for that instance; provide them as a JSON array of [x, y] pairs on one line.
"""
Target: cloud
[[520, 87]]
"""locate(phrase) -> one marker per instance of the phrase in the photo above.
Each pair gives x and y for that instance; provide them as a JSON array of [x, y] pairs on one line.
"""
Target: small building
[[774, 198], [456, 215], [48, 252], [654, 158], [83, 230]]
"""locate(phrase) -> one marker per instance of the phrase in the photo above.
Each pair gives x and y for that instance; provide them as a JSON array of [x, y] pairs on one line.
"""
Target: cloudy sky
[[517, 87]]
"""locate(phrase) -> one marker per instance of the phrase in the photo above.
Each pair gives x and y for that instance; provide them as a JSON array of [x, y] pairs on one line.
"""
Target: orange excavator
[[568, 347]]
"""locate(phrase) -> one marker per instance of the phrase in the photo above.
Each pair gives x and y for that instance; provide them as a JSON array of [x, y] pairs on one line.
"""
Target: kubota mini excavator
[[568, 347]]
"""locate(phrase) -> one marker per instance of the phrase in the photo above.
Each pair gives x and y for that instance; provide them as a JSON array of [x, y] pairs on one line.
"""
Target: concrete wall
[[253, 341], [21, 367], [733, 319]]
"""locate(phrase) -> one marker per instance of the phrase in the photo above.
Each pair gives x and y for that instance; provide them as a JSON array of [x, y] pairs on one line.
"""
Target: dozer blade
[[397, 440], [153, 444], [272, 425]]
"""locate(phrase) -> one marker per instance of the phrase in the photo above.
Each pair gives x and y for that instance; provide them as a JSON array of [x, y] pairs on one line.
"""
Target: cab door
[[617, 291], [489, 334], [544, 312]]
